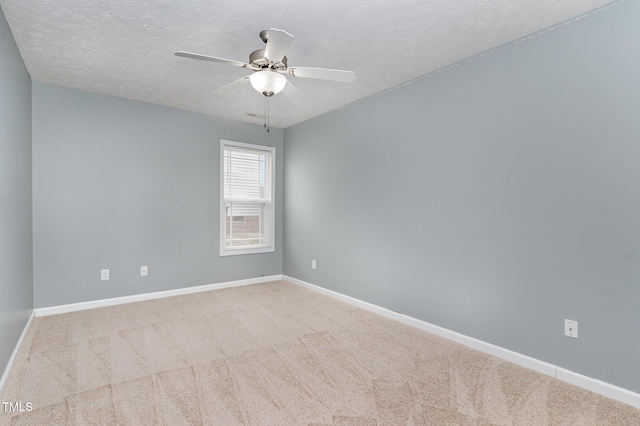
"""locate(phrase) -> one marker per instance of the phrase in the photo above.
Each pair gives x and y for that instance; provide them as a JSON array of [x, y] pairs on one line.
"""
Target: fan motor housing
[[257, 58]]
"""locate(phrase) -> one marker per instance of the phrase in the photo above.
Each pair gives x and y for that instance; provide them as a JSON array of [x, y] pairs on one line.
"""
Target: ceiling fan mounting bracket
[[264, 35]]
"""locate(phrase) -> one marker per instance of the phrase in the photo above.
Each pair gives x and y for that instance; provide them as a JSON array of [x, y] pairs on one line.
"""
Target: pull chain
[[267, 124]]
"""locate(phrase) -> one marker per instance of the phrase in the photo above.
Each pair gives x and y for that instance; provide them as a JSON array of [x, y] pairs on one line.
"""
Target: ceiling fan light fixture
[[268, 83]]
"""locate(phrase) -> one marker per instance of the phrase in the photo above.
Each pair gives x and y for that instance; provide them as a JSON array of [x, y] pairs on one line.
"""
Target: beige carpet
[[274, 354]]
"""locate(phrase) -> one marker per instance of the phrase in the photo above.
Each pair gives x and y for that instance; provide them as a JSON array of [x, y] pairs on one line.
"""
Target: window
[[247, 219]]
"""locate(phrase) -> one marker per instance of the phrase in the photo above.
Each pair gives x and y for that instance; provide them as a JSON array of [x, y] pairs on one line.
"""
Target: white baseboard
[[62, 309], [7, 369], [598, 386], [593, 385]]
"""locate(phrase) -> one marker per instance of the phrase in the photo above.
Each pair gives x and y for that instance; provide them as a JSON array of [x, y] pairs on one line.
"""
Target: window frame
[[271, 223]]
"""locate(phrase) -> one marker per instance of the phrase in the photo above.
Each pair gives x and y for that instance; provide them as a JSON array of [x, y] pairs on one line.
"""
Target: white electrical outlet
[[104, 274], [144, 271], [571, 328], [313, 264]]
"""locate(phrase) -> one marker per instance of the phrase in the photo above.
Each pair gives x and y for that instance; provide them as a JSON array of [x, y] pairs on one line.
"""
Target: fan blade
[[322, 74], [229, 87], [277, 45], [293, 94], [212, 59]]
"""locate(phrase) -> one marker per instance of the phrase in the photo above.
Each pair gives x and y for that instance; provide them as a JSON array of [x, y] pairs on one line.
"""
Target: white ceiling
[[125, 47]]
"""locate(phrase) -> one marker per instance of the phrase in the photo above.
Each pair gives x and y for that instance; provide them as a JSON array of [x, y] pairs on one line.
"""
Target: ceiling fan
[[269, 65]]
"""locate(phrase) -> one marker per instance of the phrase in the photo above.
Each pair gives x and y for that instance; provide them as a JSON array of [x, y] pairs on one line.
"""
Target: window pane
[[245, 225], [245, 174]]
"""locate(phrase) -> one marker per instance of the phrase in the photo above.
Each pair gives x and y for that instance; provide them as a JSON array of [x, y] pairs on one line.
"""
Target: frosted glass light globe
[[268, 83]]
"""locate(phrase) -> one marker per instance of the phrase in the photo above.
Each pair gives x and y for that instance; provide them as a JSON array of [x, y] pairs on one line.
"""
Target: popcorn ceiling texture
[[125, 47]]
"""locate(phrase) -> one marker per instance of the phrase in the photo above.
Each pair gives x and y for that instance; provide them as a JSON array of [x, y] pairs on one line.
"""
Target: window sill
[[234, 252]]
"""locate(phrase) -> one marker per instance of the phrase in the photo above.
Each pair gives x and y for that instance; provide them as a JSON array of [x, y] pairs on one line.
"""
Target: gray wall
[[16, 260], [119, 184], [496, 198]]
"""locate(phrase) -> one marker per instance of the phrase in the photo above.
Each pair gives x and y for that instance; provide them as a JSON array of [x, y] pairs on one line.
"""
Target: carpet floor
[[274, 354]]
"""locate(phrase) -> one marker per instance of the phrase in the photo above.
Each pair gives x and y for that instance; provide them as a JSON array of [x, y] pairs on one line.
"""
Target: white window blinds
[[247, 212]]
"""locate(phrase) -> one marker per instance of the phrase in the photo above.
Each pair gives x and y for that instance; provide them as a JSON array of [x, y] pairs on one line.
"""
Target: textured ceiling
[[125, 47]]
